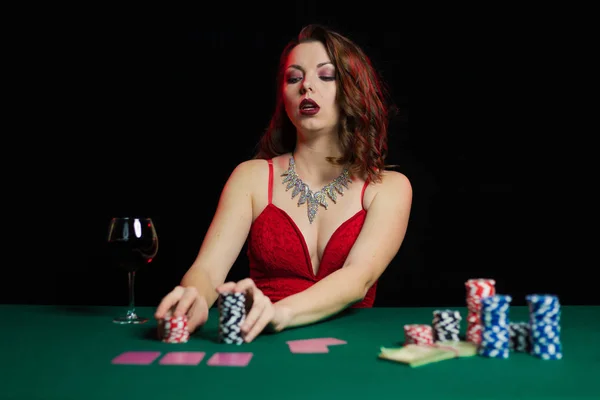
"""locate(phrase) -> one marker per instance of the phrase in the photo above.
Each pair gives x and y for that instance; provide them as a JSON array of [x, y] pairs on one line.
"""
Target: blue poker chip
[[495, 336], [547, 351], [490, 352]]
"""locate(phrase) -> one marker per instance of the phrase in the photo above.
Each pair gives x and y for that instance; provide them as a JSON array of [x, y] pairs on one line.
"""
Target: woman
[[312, 252]]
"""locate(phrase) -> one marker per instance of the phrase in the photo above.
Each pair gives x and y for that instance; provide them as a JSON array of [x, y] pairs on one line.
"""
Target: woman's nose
[[306, 87]]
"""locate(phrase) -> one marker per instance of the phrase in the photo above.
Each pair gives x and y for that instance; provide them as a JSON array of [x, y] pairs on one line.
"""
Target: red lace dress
[[279, 260]]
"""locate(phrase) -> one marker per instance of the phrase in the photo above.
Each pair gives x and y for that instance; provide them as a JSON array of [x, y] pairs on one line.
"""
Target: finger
[[226, 287], [198, 314], [255, 312], [245, 285], [167, 302], [263, 320], [189, 297]]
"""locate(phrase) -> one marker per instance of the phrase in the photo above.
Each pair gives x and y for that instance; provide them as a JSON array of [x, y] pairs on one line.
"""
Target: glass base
[[130, 318]]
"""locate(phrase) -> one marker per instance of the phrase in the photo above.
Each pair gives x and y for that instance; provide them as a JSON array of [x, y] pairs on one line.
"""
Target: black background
[[150, 116]]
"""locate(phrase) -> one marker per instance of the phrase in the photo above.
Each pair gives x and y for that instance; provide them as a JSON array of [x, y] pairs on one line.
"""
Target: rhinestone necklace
[[313, 200]]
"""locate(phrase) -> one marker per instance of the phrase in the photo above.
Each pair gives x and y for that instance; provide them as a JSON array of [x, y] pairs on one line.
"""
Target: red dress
[[279, 260]]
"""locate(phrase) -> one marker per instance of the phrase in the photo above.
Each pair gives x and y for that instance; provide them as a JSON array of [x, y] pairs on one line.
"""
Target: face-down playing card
[[136, 357], [316, 345], [230, 359], [182, 358]]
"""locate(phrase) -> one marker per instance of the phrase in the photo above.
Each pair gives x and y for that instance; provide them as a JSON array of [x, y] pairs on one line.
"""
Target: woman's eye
[[328, 78], [293, 79]]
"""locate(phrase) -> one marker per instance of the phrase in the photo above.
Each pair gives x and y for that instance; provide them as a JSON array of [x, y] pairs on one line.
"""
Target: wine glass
[[132, 243]]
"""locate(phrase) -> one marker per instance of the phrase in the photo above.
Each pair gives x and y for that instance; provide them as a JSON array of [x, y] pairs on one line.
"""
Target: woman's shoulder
[[394, 180], [393, 185], [255, 172], [249, 171], [258, 166]]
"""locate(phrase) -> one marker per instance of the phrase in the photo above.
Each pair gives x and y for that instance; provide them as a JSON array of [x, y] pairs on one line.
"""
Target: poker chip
[[544, 324], [232, 313], [446, 325], [520, 336], [174, 329], [490, 333], [418, 334], [495, 335], [476, 290]]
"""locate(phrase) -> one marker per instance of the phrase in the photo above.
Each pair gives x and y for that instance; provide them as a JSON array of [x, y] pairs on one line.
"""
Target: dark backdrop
[[151, 118]]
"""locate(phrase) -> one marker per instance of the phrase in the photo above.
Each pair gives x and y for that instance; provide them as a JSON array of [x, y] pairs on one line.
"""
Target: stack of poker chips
[[446, 325], [495, 340], [418, 334], [232, 313], [477, 289], [544, 318], [173, 329], [520, 336]]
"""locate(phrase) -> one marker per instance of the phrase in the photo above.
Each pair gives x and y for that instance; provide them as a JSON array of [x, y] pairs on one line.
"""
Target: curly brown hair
[[363, 100]]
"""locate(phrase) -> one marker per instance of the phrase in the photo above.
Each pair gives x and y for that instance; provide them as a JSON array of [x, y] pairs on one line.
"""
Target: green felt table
[[66, 352]]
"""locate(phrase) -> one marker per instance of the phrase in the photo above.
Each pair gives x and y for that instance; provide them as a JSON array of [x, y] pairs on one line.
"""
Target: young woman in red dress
[[321, 215]]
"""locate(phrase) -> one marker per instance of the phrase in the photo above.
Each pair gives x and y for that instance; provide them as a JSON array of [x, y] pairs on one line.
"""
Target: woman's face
[[309, 88]]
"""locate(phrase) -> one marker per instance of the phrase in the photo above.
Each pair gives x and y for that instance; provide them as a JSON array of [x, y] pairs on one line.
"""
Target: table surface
[[66, 352]]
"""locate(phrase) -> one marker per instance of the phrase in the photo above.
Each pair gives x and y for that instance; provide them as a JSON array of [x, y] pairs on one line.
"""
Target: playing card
[[308, 347], [182, 358], [230, 359], [328, 341], [136, 357], [315, 345]]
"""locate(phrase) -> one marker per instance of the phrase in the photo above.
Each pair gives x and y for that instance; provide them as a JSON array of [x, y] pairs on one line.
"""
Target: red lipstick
[[309, 107]]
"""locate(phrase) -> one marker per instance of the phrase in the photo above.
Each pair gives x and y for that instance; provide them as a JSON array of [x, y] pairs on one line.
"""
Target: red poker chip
[[480, 287], [473, 318], [474, 333], [418, 334], [476, 290], [174, 330]]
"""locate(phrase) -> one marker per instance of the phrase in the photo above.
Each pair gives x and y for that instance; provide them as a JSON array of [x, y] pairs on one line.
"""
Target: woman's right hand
[[184, 301]]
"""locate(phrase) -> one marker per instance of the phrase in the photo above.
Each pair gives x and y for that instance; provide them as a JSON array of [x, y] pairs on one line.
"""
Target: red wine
[[133, 254]]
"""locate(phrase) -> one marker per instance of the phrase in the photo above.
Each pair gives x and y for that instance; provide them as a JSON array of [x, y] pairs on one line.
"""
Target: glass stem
[[131, 311]]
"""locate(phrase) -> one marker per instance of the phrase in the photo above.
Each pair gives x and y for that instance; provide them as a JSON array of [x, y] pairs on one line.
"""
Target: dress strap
[[270, 161], [362, 194]]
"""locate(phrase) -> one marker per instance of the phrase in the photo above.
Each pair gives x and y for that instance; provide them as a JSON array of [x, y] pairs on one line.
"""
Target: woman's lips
[[309, 107]]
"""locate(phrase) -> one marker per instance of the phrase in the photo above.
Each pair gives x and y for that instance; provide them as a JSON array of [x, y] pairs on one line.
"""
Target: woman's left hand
[[262, 313]]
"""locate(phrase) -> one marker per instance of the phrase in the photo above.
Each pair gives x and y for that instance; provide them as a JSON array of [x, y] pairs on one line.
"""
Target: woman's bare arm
[[224, 238]]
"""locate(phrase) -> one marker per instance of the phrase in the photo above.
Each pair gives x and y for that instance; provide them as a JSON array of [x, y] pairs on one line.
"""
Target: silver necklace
[[313, 200]]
